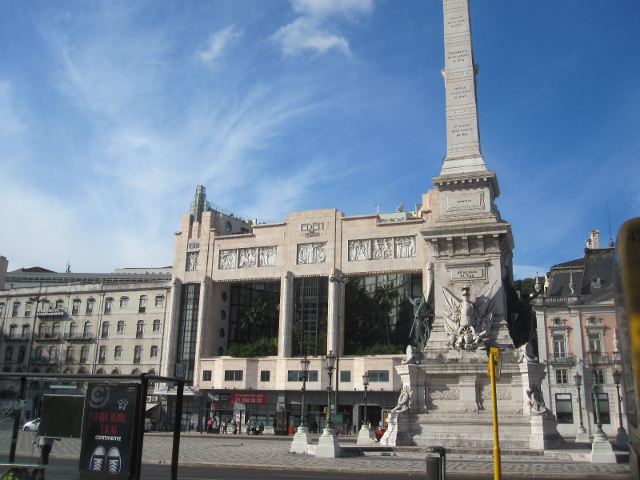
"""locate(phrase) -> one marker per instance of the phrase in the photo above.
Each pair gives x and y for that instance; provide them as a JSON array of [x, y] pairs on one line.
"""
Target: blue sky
[[112, 112]]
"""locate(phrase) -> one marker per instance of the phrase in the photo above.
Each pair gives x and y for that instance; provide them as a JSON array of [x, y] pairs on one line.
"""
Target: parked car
[[32, 425]]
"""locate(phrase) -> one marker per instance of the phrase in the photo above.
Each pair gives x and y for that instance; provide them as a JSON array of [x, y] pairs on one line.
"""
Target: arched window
[[53, 353], [100, 371], [142, 306], [115, 371], [156, 326], [117, 352], [154, 351], [121, 326], [84, 354], [73, 328], [70, 354], [82, 371], [135, 371], [139, 328], [137, 354], [56, 329], [26, 330], [12, 330], [86, 330], [68, 370]]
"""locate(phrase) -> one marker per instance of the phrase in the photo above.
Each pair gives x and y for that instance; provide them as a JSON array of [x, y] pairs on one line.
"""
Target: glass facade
[[187, 329], [378, 314], [309, 332], [254, 312]]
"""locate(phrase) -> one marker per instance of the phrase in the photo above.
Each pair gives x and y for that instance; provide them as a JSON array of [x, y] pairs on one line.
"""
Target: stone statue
[[421, 327], [536, 402], [412, 357], [404, 400], [466, 323]]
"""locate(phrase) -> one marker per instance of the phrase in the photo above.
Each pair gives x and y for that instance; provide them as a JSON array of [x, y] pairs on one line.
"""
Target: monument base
[[601, 449], [328, 446], [365, 436], [582, 436], [451, 405], [301, 440]]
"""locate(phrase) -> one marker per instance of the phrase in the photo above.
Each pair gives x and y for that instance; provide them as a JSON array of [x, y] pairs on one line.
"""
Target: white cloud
[[324, 8], [218, 41], [305, 34], [310, 31], [10, 121]]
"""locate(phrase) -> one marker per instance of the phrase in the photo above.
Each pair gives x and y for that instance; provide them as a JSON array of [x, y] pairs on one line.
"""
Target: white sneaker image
[[97, 459], [114, 461]]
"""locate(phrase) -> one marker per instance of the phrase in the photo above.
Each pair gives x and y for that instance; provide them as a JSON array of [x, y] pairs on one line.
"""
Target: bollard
[[436, 465]]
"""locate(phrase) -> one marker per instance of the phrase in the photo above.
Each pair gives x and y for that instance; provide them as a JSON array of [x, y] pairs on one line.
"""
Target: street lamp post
[[304, 363], [301, 439], [330, 365], [365, 435], [365, 384], [595, 389], [581, 430], [622, 439]]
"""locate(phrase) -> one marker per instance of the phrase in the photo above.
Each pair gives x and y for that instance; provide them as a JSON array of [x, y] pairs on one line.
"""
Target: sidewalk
[[268, 452]]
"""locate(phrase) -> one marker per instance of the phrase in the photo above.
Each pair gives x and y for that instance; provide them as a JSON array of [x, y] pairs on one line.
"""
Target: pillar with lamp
[[601, 449], [328, 446], [302, 439], [581, 434], [365, 435], [622, 439]]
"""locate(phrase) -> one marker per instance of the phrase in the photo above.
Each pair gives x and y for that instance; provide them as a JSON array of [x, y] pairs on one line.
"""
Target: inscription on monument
[[460, 92], [467, 201], [457, 55], [467, 273]]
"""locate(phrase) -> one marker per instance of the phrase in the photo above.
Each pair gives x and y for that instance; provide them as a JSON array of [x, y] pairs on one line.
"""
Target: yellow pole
[[494, 353]]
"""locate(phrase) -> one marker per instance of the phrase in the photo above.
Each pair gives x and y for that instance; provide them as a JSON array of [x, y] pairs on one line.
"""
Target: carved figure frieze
[[247, 258], [192, 261], [405, 247], [466, 323], [309, 253], [228, 259], [359, 250], [382, 248], [501, 393], [267, 256]]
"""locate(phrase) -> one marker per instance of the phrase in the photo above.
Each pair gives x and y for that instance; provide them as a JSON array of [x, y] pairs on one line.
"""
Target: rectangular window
[[142, 306], [603, 404], [27, 309], [561, 376], [595, 342], [378, 375], [265, 375], [564, 408], [102, 355], [108, 303], [559, 346], [206, 375], [233, 375], [598, 376], [120, 327], [159, 301], [310, 316], [22, 352], [124, 301], [187, 330], [16, 307], [75, 308], [89, 310], [345, 376], [296, 376]]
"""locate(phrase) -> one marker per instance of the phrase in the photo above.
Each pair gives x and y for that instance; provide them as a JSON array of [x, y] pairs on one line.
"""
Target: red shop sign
[[248, 398]]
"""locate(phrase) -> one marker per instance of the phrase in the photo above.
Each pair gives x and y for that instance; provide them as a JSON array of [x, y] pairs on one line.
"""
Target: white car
[[32, 425]]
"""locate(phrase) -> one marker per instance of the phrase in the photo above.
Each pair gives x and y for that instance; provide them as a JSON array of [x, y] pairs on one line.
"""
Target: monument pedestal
[[301, 440], [328, 446], [365, 436], [601, 449], [582, 436], [451, 406]]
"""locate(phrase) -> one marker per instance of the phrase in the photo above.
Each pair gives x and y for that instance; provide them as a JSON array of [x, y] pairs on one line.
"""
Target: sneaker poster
[[108, 431]]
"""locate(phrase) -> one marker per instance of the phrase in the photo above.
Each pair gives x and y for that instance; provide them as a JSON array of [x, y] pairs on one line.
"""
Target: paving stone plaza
[[273, 453]]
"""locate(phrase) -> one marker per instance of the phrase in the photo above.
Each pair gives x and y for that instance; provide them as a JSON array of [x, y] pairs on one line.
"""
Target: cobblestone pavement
[[266, 452]]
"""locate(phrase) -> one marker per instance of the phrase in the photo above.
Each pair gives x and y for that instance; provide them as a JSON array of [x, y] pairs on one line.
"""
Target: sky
[[112, 112]]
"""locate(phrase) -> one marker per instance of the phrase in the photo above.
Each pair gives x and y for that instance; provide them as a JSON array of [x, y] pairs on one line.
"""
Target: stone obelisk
[[470, 249]]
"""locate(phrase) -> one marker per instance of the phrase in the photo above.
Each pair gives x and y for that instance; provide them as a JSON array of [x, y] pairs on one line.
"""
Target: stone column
[[333, 314], [286, 315], [171, 331]]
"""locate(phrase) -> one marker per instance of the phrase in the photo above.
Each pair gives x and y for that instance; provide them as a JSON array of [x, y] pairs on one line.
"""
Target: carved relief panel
[[309, 253]]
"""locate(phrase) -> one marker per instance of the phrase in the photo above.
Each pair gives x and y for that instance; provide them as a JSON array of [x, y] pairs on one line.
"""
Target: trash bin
[[436, 463]]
